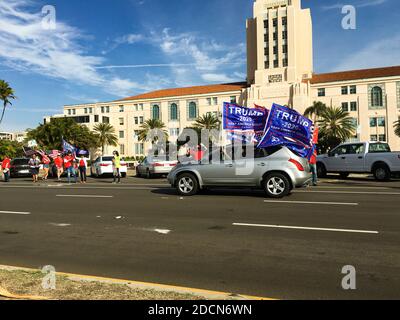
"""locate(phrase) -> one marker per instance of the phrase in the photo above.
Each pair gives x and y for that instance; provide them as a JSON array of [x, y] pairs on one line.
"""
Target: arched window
[[156, 112], [173, 111], [192, 110], [376, 97]]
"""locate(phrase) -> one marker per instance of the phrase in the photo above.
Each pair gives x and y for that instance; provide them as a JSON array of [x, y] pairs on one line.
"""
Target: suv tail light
[[297, 164], [104, 165], [158, 164]]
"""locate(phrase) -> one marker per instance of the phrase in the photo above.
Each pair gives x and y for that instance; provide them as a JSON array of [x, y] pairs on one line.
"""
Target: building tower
[[280, 58]]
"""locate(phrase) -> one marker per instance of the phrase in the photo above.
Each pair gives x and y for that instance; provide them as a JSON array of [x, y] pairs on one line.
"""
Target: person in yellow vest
[[117, 167]]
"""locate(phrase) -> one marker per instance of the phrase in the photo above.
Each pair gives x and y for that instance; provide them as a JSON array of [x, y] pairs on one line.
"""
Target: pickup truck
[[366, 157]]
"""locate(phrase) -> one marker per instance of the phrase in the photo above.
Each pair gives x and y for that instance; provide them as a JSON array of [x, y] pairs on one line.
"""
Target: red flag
[[315, 136]]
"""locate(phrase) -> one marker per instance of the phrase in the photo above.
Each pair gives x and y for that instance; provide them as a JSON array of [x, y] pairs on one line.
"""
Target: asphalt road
[[223, 240]]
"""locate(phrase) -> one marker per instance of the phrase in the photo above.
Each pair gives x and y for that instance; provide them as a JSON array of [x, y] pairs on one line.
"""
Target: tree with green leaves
[[152, 125], [397, 128], [12, 149], [208, 122], [6, 95], [105, 135], [315, 111], [336, 126], [50, 135]]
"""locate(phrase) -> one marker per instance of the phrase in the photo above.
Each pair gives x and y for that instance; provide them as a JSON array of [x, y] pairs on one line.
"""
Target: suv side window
[[356, 148], [340, 150], [379, 147]]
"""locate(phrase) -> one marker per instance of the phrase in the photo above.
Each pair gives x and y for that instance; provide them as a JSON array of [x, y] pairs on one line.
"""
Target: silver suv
[[276, 170]]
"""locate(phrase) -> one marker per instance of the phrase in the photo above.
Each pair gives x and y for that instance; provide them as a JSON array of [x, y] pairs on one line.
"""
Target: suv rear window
[[107, 159], [19, 162], [379, 148]]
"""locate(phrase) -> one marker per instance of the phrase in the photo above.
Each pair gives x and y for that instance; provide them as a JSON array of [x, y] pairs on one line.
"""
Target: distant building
[[6, 136], [279, 69]]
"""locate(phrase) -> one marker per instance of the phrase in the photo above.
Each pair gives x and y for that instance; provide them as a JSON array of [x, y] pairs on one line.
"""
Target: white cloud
[[359, 4], [26, 46], [385, 52]]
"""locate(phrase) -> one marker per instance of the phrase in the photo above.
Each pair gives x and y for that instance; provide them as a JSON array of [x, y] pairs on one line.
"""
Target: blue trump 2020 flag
[[67, 147], [237, 118], [289, 128]]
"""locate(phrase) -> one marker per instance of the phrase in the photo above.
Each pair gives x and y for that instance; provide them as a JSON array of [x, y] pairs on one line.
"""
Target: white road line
[[350, 192], [81, 196], [303, 228], [14, 212], [312, 202]]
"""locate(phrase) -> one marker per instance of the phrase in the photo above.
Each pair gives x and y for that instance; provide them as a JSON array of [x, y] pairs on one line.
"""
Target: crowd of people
[[74, 166]]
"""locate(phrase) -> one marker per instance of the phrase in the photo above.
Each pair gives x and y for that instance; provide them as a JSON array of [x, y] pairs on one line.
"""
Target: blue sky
[[102, 50]]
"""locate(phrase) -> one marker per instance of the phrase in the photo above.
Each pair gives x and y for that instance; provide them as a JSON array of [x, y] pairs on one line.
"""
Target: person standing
[[117, 167], [34, 164], [46, 166], [6, 166], [313, 167], [69, 167], [82, 169], [59, 163]]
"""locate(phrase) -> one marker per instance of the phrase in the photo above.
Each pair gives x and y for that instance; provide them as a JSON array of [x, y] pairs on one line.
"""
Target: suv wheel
[[321, 170], [276, 185], [382, 173], [187, 184]]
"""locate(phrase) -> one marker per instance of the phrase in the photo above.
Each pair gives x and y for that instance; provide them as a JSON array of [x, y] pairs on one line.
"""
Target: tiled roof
[[355, 75], [177, 92]]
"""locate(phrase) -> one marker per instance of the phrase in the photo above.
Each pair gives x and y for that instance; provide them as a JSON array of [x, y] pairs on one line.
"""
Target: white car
[[150, 167], [360, 157], [104, 165]]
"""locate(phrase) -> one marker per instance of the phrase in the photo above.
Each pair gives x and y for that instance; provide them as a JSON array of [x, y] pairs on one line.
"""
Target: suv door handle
[[261, 165], [343, 158], [360, 157]]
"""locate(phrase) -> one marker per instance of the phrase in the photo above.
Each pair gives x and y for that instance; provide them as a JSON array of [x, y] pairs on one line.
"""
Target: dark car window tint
[[107, 159], [355, 148], [20, 162], [379, 147]]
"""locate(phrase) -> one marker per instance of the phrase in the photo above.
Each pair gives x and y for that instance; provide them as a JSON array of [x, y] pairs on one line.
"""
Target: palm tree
[[152, 125], [6, 94], [336, 126], [105, 134], [208, 122], [316, 110], [397, 128]]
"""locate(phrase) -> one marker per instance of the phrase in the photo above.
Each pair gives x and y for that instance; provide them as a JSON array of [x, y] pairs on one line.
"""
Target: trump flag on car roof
[[237, 118], [289, 128]]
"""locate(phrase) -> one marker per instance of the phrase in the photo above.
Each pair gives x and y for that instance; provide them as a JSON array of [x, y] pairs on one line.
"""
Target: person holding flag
[[69, 166]]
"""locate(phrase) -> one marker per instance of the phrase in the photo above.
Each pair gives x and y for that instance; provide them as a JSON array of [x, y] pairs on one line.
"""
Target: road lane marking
[[60, 224], [350, 192], [313, 202], [15, 212], [303, 228], [81, 196]]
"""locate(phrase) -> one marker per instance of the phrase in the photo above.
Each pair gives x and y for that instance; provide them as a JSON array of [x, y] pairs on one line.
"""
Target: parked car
[[20, 168], [151, 167], [104, 165], [276, 170], [363, 157]]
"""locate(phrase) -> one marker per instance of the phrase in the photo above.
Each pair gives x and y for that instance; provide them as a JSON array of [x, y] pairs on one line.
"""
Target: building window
[[266, 24], [141, 120], [321, 92], [376, 97], [96, 118], [353, 89], [345, 90], [276, 63], [90, 110], [192, 114], [122, 149], [174, 132], [106, 120], [275, 22], [374, 138], [141, 106], [136, 120], [107, 109], [173, 111], [381, 122], [284, 21], [233, 99], [69, 112], [372, 122], [121, 109], [136, 107], [284, 35], [74, 111], [139, 148], [102, 109], [85, 110], [285, 48], [121, 121], [209, 101], [345, 106], [382, 138], [353, 106], [156, 112], [215, 101], [122, 134], [285, 62]]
